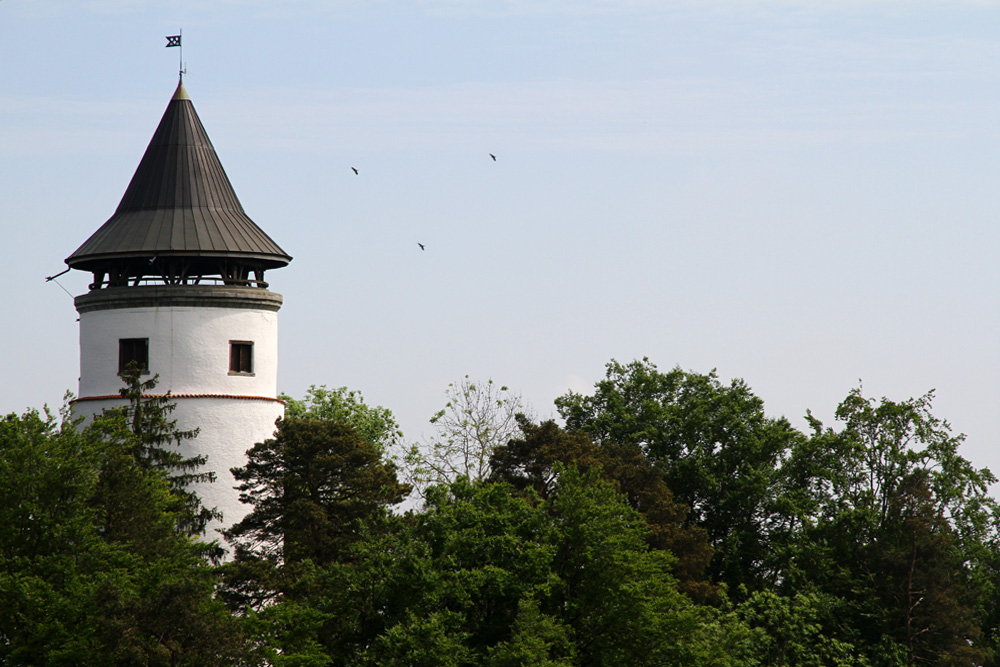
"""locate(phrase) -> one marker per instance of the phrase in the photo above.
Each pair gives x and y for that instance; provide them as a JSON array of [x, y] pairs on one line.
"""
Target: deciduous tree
[[900, 529], [717, 450], [373, 423], [477, 418], [534, 461]]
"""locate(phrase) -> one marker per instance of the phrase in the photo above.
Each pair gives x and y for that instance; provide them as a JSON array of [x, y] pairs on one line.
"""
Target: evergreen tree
[[313, 488], [373, 423], [155, 441]]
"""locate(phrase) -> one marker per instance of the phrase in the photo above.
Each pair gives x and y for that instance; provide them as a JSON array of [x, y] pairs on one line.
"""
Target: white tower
[[179, 288]]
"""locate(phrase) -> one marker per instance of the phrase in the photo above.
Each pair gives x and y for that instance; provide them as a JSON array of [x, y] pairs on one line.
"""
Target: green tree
[[311, 487], [512, 579], [94, 569], [160, 608], [617, 594], [489, 575], [899, 528], [793, 631], [891, 440], [47, 476], [477, 418], [717, 450], [537, 640], [314, 490], [375, 424], [534, 460], [431, 640], [921, 581], [152, 437]]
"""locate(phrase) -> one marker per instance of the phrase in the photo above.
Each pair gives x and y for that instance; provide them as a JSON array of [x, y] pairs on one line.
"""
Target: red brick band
[[119, 397]]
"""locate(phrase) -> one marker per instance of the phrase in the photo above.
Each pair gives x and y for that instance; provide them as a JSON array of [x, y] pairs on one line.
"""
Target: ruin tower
[[178, 287]]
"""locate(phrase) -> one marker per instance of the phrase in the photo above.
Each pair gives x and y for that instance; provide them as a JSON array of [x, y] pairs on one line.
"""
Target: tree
[[154, 440], [535, 460], [921, 581], [892, 440], [154, 434], [375, 424], [162, 609], [504, 577], [793, 631], [312, 488], [489, 575], [94, 569], [900, 528], [717, 450], [47, 476], [616, 593], [477, 418]]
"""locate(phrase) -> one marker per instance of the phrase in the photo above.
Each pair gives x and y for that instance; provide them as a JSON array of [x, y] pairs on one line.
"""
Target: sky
[[799, 193]]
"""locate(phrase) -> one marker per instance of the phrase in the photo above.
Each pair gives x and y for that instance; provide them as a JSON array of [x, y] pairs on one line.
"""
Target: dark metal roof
[[179, 204]]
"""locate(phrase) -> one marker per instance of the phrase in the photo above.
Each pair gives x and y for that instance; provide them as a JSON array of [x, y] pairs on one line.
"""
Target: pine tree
[[154, 440]]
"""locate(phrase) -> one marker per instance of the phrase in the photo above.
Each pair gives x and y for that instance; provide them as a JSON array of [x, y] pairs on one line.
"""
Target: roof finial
[[175, 40]]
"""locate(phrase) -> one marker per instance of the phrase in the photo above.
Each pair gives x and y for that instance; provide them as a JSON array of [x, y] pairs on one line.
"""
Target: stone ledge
[[180, 296]]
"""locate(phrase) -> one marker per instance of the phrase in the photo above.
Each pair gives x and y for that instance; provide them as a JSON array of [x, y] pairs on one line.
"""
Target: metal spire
[[175, 40]]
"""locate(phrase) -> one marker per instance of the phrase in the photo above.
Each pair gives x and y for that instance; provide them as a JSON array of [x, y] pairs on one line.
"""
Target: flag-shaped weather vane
[[175, 40]]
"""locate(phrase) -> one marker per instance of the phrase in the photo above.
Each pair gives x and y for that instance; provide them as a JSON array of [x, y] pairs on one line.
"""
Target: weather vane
[[175, 40]]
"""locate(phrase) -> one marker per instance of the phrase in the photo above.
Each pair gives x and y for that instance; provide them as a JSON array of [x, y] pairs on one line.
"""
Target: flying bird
[[355, 170], [493, 156], [421, 245]]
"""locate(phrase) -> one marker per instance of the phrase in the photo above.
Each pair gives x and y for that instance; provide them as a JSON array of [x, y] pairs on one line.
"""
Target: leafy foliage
[[883, 521], [487, 575], [535, 461], [717, 450], [478, 418], [792, 631], [96, 567], [375, 424], [900, 530], [871, 545]]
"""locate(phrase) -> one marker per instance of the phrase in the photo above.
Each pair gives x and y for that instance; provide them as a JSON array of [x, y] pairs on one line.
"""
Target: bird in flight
[[421, 245], [355, 170], [493, 156]]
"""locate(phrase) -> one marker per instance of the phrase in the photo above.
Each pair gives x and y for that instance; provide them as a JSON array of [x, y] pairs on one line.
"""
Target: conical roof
[[179, 204]]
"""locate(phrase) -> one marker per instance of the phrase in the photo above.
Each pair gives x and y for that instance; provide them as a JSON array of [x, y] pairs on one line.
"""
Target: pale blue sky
[[802, 194]]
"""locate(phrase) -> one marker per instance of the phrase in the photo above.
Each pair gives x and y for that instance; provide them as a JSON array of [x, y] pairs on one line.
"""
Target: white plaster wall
[[188, 349], [227, 429]]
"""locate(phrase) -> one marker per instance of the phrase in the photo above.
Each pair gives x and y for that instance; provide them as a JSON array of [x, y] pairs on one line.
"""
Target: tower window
[[240, 357], [133, 350]]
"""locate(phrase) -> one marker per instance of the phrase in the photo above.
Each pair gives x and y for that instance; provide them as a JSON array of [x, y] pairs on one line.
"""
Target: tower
[[179, 288]]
